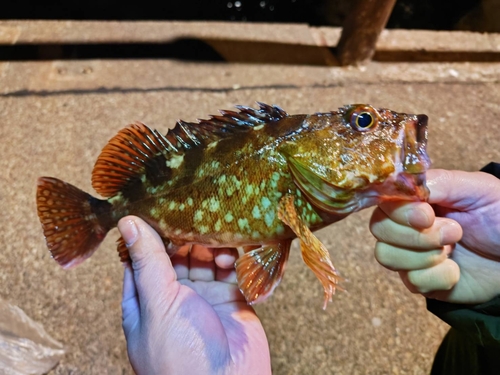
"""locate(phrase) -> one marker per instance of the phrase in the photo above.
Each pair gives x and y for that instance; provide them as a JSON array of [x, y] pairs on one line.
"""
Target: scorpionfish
[[253, 178]]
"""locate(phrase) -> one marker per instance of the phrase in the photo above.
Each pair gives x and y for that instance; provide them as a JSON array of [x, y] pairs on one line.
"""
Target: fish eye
[[363, 120]]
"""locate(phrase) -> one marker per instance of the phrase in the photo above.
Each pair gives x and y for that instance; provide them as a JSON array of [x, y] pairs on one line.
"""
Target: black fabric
[[472, 345], [459, 356], [480, 322], [492, 168]]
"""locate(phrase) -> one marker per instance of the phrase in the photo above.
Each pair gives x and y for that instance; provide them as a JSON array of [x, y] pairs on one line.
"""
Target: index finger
[[418, 215]]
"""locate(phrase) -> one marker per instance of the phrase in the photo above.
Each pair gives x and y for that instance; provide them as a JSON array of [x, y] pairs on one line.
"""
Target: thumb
[[154, 276], [460, 190]]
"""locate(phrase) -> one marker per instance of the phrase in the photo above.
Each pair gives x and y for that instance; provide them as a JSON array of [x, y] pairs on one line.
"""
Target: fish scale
[[256, 178]]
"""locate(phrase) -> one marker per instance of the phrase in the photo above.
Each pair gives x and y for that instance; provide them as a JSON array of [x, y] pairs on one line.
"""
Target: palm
[[221, 309], [210, 274], [205, 314], [476, 283]]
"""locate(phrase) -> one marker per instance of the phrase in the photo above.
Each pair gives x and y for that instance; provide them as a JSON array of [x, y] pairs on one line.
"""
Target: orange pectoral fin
[[314, 253], [260, 271]]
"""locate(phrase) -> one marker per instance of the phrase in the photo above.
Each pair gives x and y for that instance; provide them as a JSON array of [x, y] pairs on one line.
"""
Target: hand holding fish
[[449, 251], [185, 314]]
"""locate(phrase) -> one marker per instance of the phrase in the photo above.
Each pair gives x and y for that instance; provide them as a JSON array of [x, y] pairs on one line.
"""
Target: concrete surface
[[56, 117]]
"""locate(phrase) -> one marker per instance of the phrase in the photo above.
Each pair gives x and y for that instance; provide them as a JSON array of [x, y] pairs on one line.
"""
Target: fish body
[[252, 178]]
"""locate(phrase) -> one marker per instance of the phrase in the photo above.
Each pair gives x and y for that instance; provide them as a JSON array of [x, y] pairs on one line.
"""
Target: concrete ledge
[[107, 76], [77, 32]]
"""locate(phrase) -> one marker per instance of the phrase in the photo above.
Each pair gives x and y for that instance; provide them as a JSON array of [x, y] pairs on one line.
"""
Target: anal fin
[[259, 271], [124, 255], [122, 249], [314, 253]]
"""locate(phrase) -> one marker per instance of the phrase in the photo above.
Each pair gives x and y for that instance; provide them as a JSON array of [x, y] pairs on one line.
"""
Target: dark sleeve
[[481, 323], [472, 346], [492, 168]]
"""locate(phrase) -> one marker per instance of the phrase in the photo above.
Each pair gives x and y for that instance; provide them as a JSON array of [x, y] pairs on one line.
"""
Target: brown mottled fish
[[255, 177]]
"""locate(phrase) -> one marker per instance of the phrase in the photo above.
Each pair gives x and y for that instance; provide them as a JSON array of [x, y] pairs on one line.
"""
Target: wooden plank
[[362, 28], [81, 32], [259, 43]]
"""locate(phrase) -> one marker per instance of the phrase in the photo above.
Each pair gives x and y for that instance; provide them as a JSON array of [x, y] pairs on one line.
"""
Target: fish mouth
[[412, 185], [422, 121], [415, 158], [411, 181]]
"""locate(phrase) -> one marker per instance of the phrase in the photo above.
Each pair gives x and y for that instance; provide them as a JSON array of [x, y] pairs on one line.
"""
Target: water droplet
[[229, 5], [271, 7], [262, 4], [237, 4]]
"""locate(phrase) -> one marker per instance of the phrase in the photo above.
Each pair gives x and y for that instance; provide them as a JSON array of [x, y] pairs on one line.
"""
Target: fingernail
[[129, 232], [448, 233]]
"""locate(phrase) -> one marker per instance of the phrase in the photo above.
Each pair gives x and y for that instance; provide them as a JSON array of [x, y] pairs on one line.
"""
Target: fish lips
[[415, 158]]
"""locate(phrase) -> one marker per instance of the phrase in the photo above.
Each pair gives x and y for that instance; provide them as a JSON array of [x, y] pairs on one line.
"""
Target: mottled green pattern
[[230, 194]]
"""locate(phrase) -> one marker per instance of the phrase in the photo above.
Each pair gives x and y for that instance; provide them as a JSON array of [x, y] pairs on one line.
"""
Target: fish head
[[387, 152], [364, 155]]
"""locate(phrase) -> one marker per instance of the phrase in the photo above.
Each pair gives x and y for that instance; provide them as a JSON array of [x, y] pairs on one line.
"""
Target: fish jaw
[[399, 186]]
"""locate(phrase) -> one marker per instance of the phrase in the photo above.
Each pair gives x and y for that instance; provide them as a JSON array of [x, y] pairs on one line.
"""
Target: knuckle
[[436, 257], [426, 239]]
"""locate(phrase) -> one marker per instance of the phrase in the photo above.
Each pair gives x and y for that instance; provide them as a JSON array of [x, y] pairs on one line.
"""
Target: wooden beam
[[361, 30]]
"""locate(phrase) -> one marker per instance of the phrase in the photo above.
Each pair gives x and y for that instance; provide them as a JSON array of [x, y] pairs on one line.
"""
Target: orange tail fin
[[74, 223]]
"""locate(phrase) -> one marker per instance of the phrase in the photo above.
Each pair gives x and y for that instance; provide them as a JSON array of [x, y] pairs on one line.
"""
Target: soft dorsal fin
[[138, 149], [126, 156]]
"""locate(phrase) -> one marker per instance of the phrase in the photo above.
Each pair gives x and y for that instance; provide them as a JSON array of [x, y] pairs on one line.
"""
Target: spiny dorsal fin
[[137, 150], [186, 135], [126, 156]]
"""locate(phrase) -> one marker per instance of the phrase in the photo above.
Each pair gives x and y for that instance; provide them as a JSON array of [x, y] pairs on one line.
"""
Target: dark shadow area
[[183, 49], [224, 50], [435, 56]]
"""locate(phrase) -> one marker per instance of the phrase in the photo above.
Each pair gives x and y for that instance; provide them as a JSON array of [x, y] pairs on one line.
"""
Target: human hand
[[185, 314], [449, 251]]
